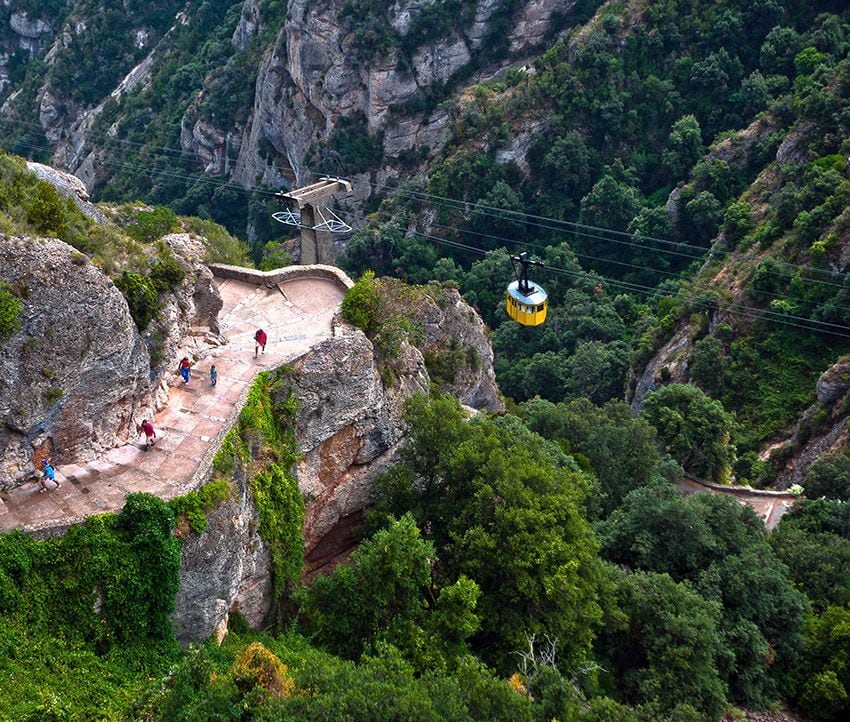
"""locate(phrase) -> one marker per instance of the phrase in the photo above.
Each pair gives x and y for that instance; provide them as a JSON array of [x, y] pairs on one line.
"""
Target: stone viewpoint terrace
[[295, 306]]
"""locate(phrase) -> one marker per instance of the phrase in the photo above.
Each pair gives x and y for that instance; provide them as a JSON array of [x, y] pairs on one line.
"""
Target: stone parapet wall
[[744, 491], [282, 275]]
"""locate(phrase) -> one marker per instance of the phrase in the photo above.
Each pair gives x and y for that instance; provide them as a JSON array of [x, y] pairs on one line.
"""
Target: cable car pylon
[[310, 213]]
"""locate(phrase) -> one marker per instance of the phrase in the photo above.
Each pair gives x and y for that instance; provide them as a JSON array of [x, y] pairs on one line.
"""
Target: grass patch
[[192, 508], [770, 381]]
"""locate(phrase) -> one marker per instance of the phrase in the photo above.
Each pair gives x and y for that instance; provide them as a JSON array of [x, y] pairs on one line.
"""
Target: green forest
[[686, 185], [535, 566]]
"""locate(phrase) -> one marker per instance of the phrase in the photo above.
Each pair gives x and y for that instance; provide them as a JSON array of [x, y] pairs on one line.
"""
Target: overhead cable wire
[[552, 224], [555, 224], [671, 274], [201, 177], [736, 309]]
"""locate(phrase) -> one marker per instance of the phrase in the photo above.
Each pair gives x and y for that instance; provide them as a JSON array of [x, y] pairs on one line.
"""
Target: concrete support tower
[[310, 213]]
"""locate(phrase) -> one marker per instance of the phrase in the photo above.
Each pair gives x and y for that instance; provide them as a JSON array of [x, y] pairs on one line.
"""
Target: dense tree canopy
[[693, 428], [504, 508], [720, 547]]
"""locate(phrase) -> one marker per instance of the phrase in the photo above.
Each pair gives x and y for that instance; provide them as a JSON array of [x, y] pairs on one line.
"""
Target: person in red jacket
[[150, 434], [260, 338], [185, 369]]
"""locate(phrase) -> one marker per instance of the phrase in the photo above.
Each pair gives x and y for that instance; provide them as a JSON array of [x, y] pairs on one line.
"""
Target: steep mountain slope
[[716, 160], [707, 138], [263, 93]]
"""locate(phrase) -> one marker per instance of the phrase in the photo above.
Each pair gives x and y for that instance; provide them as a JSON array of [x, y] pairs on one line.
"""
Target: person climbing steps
[[48, 473], [260, 338], [185, 369], [150, 435]]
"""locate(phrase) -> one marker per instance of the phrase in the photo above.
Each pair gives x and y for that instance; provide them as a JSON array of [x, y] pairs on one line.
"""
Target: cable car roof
[[536, 296]]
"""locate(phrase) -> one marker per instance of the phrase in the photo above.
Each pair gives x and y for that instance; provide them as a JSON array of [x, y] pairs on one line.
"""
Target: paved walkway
[[296, 316], [769, 505]]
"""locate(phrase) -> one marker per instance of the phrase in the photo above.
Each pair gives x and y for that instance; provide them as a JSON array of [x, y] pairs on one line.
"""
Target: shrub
[[274, 257], [738, 220], [166, 272], [693, 428], [829, 477], [141, 296], [47, 212], [707, 364], [221, 246], [153, 224], [196, 504], [10, 313], [361, 303], [256, 666]]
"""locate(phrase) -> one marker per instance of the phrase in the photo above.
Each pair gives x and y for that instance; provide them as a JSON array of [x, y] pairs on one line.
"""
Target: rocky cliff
[[77, 377], [349, 427], [315, 76], [283, 98]]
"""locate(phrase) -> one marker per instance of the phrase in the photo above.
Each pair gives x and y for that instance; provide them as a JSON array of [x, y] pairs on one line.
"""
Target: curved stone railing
[[769, 505], [742, 491], [282, 275]]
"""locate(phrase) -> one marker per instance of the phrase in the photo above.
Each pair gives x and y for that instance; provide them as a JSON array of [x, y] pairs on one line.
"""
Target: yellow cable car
[[526, 301]]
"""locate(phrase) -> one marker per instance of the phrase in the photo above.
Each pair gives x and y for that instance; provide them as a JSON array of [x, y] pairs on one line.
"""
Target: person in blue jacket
[[47, 473]]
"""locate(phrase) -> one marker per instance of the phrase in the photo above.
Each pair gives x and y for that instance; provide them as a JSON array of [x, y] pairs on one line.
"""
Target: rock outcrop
[[72, 378], [834, 383], [31, 31], [672, 356], [68, 186], [349, 427], [456, 343], [77, 377], [222, 570]]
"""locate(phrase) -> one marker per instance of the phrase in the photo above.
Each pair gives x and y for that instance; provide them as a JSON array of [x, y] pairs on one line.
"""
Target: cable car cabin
[[527, 308], [525, 300]]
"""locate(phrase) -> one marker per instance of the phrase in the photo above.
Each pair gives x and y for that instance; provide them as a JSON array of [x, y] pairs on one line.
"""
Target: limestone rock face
[[834, 382], [73, 376], [350, 422], [222, 570], [30, 31], [792, 149], [312, 77], [249, 22], [348, 428], [533, 23], [69, 186], [673, 356], [437, 63], [453, 328], [480, 27], [78, 377]]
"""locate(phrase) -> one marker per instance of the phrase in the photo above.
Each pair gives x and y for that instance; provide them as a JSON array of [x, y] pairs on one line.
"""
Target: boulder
[[834, 383], [73, 376]]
